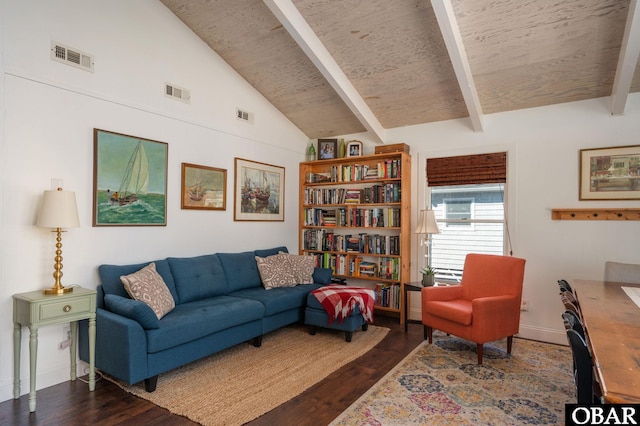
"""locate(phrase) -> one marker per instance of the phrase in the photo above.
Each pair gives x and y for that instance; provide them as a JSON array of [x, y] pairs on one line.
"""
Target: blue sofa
[[220, 302]]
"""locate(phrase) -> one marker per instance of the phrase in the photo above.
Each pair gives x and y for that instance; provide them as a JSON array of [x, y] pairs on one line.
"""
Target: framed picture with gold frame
[[203, 188], [610, 173], [129, 180], [259, 191]]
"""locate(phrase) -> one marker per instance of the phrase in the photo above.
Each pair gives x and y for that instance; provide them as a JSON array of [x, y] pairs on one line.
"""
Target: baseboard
[[542, 334], [44, 379]]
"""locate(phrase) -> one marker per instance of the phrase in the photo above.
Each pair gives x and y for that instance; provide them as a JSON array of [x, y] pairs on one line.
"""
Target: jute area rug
[[241, 383], [442, 384]]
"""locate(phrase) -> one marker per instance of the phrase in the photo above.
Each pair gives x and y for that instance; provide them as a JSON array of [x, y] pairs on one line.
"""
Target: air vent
[[175, 92], [244, 115], [71, 56]]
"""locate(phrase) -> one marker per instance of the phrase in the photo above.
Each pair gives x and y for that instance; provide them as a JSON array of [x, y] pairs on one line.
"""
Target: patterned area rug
[[442, 384]]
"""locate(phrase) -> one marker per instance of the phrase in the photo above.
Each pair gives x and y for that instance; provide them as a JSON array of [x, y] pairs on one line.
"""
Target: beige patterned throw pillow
[[147, 286], [275, 271], [302, 267]]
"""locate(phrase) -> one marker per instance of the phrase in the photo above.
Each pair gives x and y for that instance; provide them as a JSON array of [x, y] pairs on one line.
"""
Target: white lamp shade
[[427, 223], [58, 210]]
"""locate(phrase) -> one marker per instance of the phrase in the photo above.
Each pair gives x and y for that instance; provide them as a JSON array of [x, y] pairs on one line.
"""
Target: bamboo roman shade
[[467, 169]]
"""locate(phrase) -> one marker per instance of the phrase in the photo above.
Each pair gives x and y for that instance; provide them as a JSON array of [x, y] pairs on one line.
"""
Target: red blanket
[[339, 301]]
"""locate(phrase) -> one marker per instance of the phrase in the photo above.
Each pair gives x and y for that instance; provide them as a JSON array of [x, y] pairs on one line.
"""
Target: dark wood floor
[[71, 403]]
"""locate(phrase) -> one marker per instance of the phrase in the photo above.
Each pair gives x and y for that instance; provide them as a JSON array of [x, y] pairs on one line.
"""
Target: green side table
[[34, 310]]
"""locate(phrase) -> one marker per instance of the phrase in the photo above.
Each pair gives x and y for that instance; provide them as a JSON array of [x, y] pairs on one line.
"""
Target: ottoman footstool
[[316, 316]]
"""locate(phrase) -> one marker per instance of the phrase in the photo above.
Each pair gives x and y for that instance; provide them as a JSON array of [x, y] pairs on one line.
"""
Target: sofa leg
[[151, 383], [257, 341], [479, 346], [365, 326], [348, 335], [509, 344], [313, 329]]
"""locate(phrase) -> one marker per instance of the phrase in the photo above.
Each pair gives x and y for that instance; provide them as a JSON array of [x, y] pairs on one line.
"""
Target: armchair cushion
[[458, 310]]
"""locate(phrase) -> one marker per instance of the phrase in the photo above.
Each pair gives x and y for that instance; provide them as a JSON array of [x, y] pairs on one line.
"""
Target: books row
[[323, 240], [387, 268], [376, 217], [388, 169], [388, 295], [384, 193]]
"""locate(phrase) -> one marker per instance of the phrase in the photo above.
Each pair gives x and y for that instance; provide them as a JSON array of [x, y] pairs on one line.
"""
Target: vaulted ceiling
[[337, 67]]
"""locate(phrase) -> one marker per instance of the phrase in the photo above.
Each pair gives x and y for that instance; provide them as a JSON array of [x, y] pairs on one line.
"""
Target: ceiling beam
[[299, 29], [627, 61], [453, 40]]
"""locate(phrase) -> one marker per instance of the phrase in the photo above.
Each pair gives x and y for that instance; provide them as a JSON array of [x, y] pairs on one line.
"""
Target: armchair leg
[[480, 348], [428, 333], [509, 343]]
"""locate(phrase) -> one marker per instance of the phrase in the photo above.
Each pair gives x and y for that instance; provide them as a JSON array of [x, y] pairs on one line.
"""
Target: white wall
[[543, 147], [49, 111]]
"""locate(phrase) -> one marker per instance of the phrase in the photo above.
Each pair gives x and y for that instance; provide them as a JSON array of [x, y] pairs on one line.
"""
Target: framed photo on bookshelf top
[[327, 149], [610, 173], [259, 191], [203, 188], [354, 148]]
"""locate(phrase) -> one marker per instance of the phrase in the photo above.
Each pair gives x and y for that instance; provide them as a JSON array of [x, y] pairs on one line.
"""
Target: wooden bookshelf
[[355, 217]]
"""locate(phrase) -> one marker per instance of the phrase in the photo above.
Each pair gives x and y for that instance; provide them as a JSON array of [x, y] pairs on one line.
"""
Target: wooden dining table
[[612, 322]]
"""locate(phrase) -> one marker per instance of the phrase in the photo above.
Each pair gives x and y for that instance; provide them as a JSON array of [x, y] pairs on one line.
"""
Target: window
[[457, 212], [469, 209]]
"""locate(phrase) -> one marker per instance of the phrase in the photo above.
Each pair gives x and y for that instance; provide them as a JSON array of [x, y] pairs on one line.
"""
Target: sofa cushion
[[132, 309], [110, 276], [280, 299], [322, 275], [275, 271], [301, 267], [198, 277], [241, 270], [147, 286], [271, 251], [193, 320]]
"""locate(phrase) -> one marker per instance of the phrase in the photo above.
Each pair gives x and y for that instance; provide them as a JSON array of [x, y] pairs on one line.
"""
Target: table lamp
[[58, 210], [427, 225]]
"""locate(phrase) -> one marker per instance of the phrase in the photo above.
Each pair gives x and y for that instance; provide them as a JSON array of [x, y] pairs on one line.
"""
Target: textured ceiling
[[339, 67]]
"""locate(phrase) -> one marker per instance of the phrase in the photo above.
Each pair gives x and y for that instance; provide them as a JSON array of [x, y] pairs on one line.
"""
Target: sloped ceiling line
[[289, 16], [627, 61], [453, 40]]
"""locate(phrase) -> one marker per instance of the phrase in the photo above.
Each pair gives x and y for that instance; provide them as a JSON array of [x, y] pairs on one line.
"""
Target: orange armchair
[[484, 307]]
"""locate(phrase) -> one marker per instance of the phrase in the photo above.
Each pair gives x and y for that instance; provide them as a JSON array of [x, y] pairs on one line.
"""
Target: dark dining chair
[[582, 369], [565, 286]]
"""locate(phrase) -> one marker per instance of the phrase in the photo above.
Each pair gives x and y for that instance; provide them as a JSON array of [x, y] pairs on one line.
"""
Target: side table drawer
[[63, 308]]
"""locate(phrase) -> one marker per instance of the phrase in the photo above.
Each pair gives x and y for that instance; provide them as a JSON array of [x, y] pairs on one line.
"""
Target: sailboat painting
[[259, 191], [203, 188], [130, 180]]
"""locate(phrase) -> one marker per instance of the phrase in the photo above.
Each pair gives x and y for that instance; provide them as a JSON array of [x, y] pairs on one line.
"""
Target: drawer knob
[[66, 308]]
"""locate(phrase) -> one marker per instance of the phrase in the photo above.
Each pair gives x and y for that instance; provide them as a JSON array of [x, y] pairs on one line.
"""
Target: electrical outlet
[[524, 305]]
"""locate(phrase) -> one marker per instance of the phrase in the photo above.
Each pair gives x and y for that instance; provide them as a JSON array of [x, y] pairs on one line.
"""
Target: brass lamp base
[[57, 290]]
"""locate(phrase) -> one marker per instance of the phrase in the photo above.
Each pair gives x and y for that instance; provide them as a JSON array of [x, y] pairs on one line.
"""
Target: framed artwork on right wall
[[610, 173]]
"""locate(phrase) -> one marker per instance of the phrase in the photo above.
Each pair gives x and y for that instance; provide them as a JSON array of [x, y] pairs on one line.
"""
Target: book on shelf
[[318, 177]]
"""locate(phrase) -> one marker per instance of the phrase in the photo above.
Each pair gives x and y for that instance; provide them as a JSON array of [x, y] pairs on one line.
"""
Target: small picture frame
[[203, 188], [327, 149], [610, 173], [354, 149]]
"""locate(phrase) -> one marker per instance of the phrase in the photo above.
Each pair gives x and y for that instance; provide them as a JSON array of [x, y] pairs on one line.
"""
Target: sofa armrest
[[121, 346], [133, 309]]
